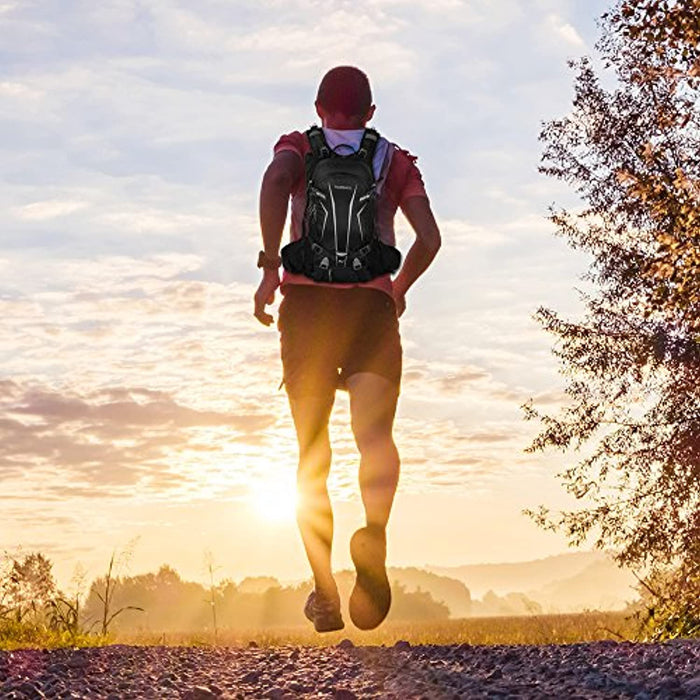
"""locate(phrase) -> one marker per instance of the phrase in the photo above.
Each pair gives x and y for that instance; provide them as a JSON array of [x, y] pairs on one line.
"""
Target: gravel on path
[[344, 672]]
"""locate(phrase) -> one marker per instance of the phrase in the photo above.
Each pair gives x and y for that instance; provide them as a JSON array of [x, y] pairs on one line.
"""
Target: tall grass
[[23, 635], [536, 629]]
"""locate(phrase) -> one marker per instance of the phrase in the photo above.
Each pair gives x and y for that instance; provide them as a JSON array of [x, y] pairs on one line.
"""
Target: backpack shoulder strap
[[368, 145], [317, 141]]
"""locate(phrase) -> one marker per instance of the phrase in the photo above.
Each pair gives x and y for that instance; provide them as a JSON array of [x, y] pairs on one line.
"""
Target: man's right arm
[[277, 185]]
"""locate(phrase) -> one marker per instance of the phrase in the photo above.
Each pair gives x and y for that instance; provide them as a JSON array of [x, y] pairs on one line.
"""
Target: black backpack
[[339, 241]]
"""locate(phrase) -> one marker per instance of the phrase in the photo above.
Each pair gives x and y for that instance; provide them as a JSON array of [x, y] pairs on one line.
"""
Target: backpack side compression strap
[[368, 145], [317, 141]]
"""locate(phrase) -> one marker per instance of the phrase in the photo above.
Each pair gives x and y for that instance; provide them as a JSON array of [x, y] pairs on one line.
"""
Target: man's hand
[[265, 295]]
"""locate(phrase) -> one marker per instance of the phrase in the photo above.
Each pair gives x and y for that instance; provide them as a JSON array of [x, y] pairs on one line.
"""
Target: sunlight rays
[[273, 501]]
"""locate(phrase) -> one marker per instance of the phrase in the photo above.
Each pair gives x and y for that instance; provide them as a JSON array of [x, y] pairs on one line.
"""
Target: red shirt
[[399, 179]]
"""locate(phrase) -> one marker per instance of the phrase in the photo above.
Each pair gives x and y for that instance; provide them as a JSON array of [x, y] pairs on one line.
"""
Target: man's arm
[[277, 185], [424, 249]]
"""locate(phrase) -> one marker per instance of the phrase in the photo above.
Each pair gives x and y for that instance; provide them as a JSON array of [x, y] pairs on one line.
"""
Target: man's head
[[344, 99]]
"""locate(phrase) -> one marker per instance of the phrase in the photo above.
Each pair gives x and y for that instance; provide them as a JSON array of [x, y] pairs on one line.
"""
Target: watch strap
[[268, 263]]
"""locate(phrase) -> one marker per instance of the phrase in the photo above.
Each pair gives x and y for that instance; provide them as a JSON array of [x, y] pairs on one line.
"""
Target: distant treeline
[[170, 604], [164, 602]]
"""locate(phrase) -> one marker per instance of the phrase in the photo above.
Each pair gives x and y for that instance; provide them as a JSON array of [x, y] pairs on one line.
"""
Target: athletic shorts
[[328, 334]]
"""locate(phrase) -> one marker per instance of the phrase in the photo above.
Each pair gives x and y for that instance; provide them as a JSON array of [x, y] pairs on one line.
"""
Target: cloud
[[134, 136], [156, 380], [113, 438], [558, 27], [125, 373], [50, 209], [18, 90]]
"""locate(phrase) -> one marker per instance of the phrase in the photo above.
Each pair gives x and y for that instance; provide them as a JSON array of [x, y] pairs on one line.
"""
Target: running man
[[343, 334]]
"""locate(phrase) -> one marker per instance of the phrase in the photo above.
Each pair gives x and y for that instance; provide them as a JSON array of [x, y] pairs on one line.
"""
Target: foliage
[[656, 44], [27, 586], [33, 611], [104, 589], [32, 607], [270, 614], [670, 608], [633, 361], [173, 605], [22, 635]]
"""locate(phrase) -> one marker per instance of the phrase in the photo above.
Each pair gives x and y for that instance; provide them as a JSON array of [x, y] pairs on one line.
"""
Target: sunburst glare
[[274, 501]]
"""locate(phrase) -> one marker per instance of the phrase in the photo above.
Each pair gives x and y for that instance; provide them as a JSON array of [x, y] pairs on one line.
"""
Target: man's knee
[[373, 436], [312, 472], [315, 453], [312, 495]]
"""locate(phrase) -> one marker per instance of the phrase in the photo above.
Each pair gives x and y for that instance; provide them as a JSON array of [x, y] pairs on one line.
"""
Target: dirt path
[[592, 670]]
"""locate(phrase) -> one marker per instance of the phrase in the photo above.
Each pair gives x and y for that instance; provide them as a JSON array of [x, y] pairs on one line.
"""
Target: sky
[[139, 403]]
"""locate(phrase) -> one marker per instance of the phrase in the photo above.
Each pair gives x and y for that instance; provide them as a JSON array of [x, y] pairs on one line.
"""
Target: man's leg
[[314, 515], [372, 407]]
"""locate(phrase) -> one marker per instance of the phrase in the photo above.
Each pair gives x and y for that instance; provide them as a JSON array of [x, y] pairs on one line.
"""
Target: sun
[[273, 501]]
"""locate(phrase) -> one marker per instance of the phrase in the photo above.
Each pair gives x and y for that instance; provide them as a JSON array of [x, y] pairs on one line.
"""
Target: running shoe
[[370, 599], [324, 613]]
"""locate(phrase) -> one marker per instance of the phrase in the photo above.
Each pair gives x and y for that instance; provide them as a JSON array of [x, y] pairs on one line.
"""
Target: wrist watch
[[268, 263]]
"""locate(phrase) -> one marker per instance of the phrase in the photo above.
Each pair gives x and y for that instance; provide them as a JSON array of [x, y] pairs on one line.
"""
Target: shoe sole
[[370, 599], [333, 627]]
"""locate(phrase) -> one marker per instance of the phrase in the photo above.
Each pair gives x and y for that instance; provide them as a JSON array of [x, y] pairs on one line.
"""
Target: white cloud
[[132, 155], [19, 90], [559, 28], [49, 209], [155, 221], [462, 234]]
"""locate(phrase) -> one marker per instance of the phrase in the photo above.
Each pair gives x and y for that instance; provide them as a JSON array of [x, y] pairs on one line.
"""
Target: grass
[[535, 629], [14, 635]]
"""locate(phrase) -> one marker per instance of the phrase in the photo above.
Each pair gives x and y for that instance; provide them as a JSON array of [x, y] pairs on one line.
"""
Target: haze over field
[[162, 601], [139, 396]]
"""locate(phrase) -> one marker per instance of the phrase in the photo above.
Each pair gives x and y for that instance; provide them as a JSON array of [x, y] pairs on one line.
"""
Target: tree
[[29, 585], [633, 361], [658, 40]]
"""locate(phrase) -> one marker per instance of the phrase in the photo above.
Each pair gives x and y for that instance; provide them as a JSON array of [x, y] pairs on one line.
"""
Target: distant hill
[[570, 582], [600, 586], [563, 583], [519, 576], [441, 588]]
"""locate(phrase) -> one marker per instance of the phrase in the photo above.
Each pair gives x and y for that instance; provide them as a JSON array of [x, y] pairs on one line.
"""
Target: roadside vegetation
[[162, 609], [631, 423]]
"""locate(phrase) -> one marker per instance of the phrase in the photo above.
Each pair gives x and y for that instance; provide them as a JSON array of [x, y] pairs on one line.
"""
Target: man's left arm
[[277, 185], [424, 249]]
